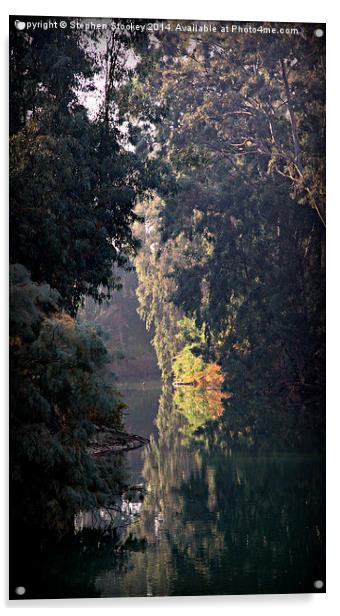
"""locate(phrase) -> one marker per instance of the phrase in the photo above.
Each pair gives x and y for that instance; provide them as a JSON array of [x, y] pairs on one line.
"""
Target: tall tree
[[74, 180], [243, 131]]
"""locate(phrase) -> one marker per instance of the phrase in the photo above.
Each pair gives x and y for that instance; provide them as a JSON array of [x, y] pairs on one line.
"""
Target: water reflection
[[214, 519], [215, 522]]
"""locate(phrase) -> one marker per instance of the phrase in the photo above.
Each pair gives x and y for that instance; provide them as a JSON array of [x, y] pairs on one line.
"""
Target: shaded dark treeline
[[74, 182], [240, 242]]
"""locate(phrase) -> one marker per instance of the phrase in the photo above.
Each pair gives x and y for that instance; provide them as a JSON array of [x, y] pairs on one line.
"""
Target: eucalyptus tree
[[243, 131]]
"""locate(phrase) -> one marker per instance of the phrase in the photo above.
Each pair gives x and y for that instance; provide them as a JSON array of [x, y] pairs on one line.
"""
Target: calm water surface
[[214, 522], [211, 522]]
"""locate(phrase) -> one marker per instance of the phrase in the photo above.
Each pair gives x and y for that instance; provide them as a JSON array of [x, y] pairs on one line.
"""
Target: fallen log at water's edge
[[109, 441]]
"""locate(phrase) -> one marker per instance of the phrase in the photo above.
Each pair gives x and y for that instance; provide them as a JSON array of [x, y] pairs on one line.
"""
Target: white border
[[290, 11]]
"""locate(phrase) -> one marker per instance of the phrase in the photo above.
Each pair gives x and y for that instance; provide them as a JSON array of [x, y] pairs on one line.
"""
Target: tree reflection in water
[[219, 522], [216, 518]]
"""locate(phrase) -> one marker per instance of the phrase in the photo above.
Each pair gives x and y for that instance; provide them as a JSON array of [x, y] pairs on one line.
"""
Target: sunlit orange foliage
[[203, 397]]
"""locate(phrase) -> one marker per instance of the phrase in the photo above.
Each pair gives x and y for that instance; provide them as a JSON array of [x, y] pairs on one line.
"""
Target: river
[[214, 522], [211, 521]]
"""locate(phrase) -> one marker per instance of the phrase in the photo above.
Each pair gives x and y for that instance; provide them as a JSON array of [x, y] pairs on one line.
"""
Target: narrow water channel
[[211, 521], [214, 522]]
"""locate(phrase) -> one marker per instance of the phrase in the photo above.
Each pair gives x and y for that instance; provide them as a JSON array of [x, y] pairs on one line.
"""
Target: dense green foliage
[[75, 175], [241, 238], [59, 393], [73, 182]]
